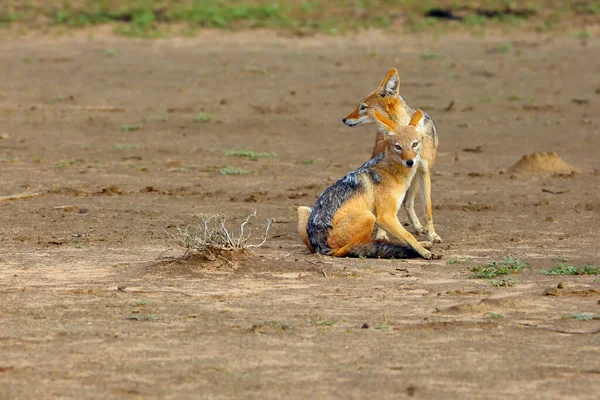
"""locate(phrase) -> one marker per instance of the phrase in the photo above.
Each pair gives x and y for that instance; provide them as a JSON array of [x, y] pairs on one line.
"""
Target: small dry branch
[[19, 196], [212, 237]]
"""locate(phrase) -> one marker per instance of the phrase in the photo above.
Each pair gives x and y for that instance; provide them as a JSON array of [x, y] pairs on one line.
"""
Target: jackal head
[[384, 99], [403, 143]]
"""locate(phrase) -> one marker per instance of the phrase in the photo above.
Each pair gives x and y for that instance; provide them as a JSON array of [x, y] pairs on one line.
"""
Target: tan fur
[[303, 214], [386, 101], [377, 203]]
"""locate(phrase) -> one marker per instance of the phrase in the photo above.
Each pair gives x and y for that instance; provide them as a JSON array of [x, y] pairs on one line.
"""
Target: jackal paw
[[435, 256], [381, 234], [426, 244], [418, 229], [433, 237]]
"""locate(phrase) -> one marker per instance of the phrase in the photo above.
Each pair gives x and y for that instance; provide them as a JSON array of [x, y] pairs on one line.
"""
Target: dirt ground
[[281, 322]]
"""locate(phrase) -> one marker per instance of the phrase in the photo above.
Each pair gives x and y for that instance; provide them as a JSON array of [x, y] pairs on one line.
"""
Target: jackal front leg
[[391, 224]]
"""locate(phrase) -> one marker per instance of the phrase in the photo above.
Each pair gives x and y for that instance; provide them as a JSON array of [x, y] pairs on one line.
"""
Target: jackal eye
[[415, 144], [397, 147], [363, 107]]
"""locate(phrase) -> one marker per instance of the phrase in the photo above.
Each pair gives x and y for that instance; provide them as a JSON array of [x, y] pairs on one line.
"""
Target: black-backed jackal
[[343, 218], [387, 100]]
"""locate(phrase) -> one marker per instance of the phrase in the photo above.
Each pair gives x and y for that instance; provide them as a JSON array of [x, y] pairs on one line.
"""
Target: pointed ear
[[418, 120], [384, 121], [390, 85]]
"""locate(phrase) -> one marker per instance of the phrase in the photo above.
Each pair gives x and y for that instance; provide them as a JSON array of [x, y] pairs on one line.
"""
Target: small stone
[[561, 285], [365, 326]]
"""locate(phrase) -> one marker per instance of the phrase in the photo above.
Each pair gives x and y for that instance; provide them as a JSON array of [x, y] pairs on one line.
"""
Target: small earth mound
[[197, 265], [542, 163]]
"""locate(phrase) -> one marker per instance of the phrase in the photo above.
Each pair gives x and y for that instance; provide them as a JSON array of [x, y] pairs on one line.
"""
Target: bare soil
[[87, 311]]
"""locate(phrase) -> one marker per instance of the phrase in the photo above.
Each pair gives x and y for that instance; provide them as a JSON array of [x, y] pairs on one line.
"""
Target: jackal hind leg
[[409, 204], [355, 228], [425, 183]]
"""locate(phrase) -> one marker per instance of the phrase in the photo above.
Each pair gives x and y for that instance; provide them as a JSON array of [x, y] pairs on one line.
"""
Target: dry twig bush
[[212, 240]]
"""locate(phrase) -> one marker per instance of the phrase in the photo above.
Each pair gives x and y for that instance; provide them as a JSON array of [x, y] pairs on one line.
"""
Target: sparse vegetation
[[506, 282], [109, 52], [583, 35], [464, 260], [256, 70], [493, 315], [204, 117], [211, 238], [515, 97], [63, 164], [248, 153], [129, 128], [483, 99], [123, 146], [154, 18], [323, 323], [429, 56], [503, 48], [508, 266], [566, 269], [582, 317], [307, 162], [233, 171]]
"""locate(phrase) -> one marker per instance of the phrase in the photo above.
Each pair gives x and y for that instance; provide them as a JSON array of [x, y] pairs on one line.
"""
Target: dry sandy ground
[[281, 323]]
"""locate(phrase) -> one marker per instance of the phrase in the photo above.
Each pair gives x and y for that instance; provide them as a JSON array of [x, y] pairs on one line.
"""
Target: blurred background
[[155, 18]]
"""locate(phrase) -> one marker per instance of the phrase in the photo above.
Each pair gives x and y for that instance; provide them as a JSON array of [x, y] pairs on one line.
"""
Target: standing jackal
[[342, 220], [387, 100]]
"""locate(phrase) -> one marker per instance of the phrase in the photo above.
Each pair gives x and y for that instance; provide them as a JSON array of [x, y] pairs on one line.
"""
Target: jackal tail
[[303, 214], [382, 249]]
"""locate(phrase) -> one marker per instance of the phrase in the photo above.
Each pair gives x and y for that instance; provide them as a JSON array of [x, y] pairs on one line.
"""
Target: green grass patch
[[493, 315], [323, 323], [109, 53], [582, 317], [204, 117], [503, 48], [129, 127], [307, 162], [123, 146], [583, 35], [508, 266], [430, 56], [63, 164], [506, 282], [256, 70], [483, 99], [382, 327], [464, 260], [249, 153], [516, 97], [475, 20], [566, 269], [154, 18], [233, 171]]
